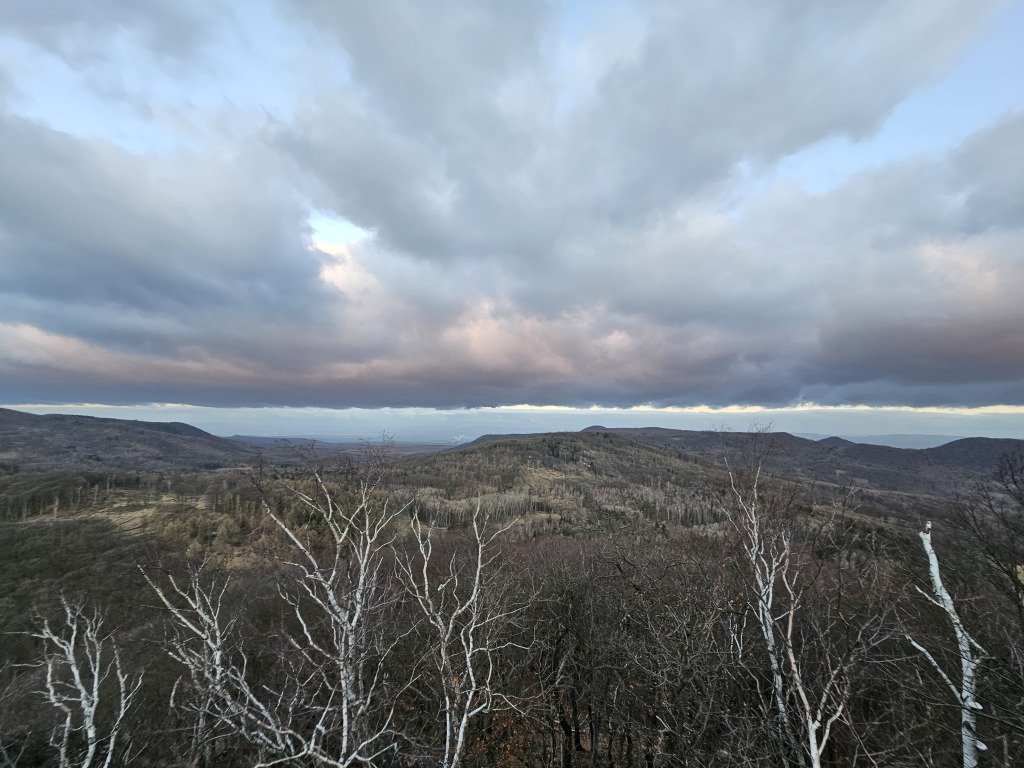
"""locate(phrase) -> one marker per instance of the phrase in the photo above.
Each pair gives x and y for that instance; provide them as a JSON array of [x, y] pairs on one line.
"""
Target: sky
[[434, 219]]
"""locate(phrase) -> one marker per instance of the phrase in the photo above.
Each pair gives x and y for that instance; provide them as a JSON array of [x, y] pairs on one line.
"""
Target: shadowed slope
[[31, 442]]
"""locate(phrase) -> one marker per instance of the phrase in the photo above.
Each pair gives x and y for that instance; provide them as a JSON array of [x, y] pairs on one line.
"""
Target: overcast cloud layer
[[562, 204]]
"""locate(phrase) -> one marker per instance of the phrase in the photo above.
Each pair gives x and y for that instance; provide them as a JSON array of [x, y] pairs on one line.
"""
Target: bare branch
[[79, 658]]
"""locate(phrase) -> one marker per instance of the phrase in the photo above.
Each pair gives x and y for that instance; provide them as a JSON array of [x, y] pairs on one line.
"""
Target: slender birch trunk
[[972, 656]]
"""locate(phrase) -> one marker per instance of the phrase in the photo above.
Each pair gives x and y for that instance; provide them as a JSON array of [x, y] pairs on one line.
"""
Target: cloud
[[927, 298], [113, 245], [82, 31], [555, 217], [709, 87]]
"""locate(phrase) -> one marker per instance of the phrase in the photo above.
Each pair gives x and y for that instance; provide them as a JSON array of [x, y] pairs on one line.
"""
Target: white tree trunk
[[972, 655], [816, 699], [76, 666], [465, 612], [768, 557], [337, 596]]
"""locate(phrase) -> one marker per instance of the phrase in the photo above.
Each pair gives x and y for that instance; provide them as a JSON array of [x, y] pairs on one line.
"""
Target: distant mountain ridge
[[834, 441], [893, 440], [64, 442], [59, 441], [939, 471]]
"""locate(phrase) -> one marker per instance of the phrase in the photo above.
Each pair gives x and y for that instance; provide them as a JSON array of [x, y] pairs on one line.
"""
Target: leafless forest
[[570, 601]]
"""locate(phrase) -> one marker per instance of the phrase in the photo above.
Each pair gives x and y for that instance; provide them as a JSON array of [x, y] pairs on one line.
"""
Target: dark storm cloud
[[147, 254], [547, 226], [930, 302]]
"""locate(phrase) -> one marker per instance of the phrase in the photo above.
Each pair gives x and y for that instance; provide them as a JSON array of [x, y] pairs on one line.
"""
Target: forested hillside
[[571, 599], [60, 442]]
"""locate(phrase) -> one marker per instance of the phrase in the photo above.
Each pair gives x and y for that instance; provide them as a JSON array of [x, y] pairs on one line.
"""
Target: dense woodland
[[564, 600]]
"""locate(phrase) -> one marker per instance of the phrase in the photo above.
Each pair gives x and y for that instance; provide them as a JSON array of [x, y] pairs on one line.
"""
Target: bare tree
[[972, 656], [10, 749], [814, 643], [466, 613], [332, 703], [201, 644], [664, 647], [79, 658], [836, 641], [988, 524], [766, 544], [991, 518]]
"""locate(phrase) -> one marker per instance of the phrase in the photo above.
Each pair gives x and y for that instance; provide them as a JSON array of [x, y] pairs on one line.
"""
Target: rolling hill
[[61, 442], [940, 471]]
